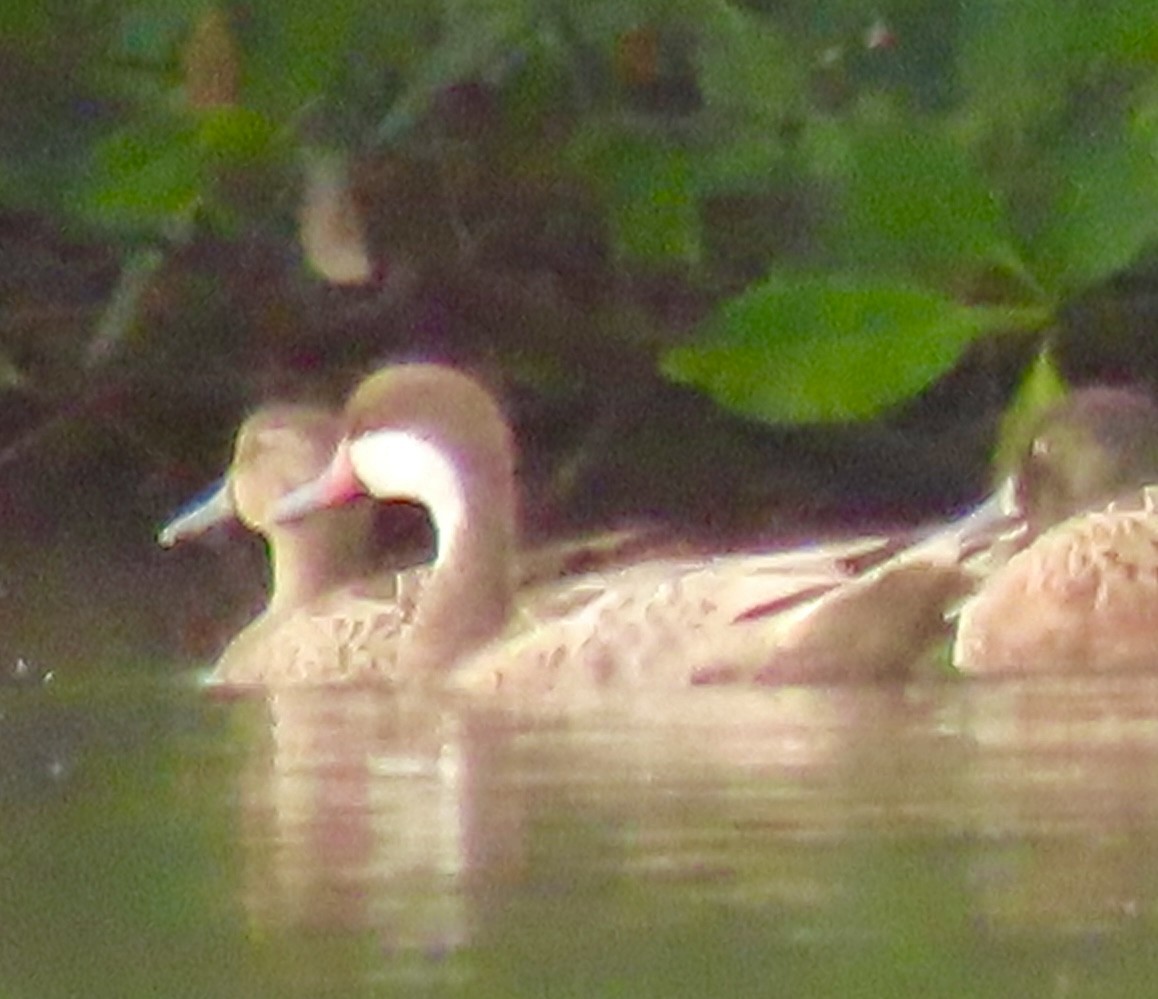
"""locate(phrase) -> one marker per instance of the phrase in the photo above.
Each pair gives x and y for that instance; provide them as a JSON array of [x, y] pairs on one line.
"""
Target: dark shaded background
[[557, 198]]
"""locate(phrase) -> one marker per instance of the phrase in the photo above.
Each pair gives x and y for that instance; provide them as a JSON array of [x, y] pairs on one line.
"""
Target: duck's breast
[[349, 635]]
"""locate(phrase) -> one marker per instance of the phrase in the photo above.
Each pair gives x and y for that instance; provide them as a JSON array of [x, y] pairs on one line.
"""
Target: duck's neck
[[316, 555], [469, 597]]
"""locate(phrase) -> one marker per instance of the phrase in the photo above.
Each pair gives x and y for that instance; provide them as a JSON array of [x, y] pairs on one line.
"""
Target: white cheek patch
[[395, 464]]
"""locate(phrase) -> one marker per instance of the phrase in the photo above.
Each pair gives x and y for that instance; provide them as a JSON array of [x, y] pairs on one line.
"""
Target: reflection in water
[[1066, 753], [355, 819], [984, 838], [424, 823], [416, 820], [1064, 779]]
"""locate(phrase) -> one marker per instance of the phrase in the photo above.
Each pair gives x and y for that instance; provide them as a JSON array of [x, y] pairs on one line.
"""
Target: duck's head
[[423, 433], [1095, 445], [277, 449]]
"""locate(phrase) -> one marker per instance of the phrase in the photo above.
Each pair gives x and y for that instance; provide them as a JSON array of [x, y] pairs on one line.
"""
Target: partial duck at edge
[[1083, 595]]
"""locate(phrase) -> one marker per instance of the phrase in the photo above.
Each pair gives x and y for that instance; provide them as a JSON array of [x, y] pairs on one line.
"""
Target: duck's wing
[[860, 607], [780, 578], [887, 619], [649, 625]]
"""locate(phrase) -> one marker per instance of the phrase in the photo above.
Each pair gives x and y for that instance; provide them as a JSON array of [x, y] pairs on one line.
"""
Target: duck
[[1079, 595], [434, 435], [328, 595], [335, 605]]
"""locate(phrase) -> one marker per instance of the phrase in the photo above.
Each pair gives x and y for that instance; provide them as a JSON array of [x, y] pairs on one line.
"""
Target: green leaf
[[813, 349], [744, 162], [235, 136], [39, 28], [656, 217], [1021, 62], [745, 66], [1125, 29], [1015, 60], [144, 177], [294, 52], [1042, 388], [1105, 214], [648, 186], [914, 203]]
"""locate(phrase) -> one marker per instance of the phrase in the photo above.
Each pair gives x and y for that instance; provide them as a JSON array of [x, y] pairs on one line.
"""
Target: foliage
[[851, 199]]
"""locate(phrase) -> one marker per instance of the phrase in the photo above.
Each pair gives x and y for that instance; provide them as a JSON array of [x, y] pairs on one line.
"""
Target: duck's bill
[[212, 507], [336, 486]]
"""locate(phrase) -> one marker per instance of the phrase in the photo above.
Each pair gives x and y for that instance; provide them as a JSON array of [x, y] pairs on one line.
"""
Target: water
[[947, 839]]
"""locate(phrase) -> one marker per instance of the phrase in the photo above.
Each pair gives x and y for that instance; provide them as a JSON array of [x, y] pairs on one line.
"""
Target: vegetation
[[806, 210]]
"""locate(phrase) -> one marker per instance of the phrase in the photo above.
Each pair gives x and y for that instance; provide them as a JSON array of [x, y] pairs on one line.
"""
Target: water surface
[[954, 838]]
